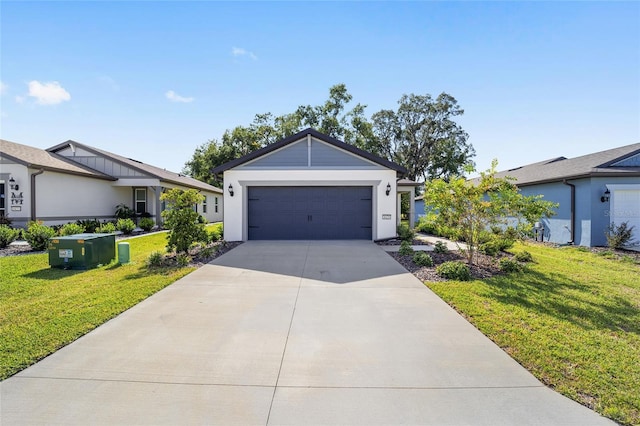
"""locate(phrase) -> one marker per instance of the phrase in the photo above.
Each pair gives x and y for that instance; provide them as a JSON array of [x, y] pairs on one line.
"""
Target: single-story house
[[72, 181], [310, 186], [593, 191]]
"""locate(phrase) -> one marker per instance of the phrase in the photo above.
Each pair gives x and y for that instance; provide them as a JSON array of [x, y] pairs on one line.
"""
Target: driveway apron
[[287, 333]]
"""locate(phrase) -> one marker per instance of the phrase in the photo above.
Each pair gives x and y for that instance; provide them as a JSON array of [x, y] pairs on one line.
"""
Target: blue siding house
[[593, 191]]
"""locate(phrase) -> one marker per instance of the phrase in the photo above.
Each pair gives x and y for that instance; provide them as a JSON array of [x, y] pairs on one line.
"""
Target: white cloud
[[239, 51], [174, 97], [49, 93], [3, 88]]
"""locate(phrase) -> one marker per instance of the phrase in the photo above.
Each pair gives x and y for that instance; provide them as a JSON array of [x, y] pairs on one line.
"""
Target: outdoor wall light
[[230, 190], [388, 189], [605, 196], [12, 184]]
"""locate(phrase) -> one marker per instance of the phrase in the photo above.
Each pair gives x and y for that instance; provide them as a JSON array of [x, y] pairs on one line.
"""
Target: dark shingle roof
[[41, 159], [321, 136], [561, 168], [157, 172]]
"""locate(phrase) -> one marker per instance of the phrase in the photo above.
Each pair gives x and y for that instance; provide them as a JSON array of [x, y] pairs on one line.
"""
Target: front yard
[[43, 309], [572, 319]]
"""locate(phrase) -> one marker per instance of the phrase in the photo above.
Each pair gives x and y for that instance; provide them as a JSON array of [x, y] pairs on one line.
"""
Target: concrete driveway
[[287, 333]]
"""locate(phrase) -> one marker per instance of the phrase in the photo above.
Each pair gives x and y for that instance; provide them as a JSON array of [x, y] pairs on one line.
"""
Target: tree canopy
[[420, 135]]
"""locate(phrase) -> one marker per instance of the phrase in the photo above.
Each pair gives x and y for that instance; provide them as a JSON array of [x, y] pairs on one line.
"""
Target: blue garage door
[[310, 213]]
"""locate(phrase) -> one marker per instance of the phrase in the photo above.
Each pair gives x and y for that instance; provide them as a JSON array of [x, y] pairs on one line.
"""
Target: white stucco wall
[[235, 208], [63, 197]]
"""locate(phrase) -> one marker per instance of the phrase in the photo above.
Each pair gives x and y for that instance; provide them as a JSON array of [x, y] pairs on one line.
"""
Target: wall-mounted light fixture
[[230, 190], [388, 189], [12, 184], [605, 197]]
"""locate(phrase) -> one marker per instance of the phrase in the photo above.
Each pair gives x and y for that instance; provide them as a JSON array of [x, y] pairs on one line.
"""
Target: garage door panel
[[296, 213]]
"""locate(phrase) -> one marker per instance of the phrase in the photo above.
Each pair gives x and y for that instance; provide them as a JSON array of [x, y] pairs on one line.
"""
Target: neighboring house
[[593, 191], [72, 181], [420, 212], [310, 187]]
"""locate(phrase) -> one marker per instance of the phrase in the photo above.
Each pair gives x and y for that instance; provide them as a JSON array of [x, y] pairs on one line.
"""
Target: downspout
[[33, 192], [573, 211]]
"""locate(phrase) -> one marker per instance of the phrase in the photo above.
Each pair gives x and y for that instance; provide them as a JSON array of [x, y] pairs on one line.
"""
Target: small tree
[[182, 220], [474, 206], [620, 236]]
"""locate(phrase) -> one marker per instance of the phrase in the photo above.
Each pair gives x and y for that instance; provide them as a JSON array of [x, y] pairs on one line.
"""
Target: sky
[[153, 80]]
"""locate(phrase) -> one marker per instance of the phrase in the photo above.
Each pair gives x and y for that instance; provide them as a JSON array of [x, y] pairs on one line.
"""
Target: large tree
[[421, 135]]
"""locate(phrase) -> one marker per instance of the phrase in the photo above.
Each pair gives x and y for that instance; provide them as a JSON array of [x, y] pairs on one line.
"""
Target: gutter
[[573, 211], [33, 192]]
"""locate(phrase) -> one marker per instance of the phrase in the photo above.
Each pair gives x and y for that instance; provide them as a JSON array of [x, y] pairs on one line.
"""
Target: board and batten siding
[[310, 152]]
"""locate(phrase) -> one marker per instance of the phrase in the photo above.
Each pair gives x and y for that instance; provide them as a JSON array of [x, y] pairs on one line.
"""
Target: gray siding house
[[593, 191]]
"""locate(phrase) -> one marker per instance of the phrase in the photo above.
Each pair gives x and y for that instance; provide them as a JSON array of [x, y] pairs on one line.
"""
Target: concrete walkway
[[287, 333]]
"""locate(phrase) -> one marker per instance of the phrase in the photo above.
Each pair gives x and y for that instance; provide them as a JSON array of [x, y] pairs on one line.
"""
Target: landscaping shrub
[[620, 236], [106, 228], [7, 235], [183, 259], [124, 212], [125, 225], [508, 265], [440, 247], [496, 245], [5, 220], [405, 248], [182, 220], [208, 251], [523, 256], [154, 260], [427, 225], [38, 234], [489, 248], [454, 270], [215, 234], [421, 258], [146, 223], [89, 225], [405, 233], [71, 229]]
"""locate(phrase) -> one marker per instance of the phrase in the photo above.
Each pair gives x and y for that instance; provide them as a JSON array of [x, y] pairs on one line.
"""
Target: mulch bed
[[486, 267]]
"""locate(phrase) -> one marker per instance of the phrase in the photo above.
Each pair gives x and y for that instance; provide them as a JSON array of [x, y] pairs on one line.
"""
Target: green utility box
[[82, 251]]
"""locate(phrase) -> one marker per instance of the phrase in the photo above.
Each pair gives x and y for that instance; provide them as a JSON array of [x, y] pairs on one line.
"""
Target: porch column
[[398, 207], [412, 210], [158, 191]]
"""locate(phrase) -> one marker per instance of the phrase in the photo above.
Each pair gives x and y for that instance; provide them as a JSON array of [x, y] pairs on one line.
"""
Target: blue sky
[[154, 80]]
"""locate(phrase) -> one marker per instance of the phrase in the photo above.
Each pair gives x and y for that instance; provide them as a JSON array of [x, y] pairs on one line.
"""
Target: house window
[[204, 204], [141, 200], [216, 204]]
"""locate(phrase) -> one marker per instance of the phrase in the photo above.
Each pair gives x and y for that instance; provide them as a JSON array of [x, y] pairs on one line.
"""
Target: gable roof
[[157, 172], [557, 169], [320, 136], [40, 159]]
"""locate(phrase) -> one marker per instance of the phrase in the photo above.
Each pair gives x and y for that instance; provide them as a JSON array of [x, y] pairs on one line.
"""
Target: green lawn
[[573, 320], [44, 309]]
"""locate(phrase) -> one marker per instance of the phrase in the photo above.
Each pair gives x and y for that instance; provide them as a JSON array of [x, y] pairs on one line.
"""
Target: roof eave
[[580, 176]]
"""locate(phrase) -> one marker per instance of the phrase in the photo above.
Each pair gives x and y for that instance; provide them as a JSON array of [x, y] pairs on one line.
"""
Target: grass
[[572, 319], [43, 309]]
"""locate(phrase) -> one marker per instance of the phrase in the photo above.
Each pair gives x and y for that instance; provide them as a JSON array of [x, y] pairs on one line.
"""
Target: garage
[[310, 186], [310, 213], [625, 207]]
